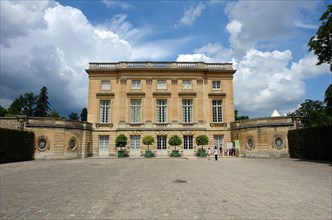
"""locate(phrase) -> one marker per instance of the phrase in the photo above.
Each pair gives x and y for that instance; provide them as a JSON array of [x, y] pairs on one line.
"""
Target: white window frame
[[161, 142], [103, 141], [216, 85], [135, 141], [161, 84], [105, 85], [135, 84], [218, 140], [104, 111], [188, 142], [217, 108], [161, 105], [135, 110], [187, 110], [186, 84]]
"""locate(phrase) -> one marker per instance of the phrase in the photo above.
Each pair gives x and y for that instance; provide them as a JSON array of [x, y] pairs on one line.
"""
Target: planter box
[[175, 153], [202, 153], [148, 153], [121, 153]]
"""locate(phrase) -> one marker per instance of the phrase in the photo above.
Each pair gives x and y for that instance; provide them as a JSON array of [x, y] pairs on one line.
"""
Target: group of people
[[219, 152]]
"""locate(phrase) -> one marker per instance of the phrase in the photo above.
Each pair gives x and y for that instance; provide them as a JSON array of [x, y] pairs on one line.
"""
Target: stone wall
[[263, 137], [54, 138]]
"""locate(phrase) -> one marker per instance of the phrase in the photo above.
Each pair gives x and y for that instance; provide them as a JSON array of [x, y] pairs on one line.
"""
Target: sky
[[50, 43]]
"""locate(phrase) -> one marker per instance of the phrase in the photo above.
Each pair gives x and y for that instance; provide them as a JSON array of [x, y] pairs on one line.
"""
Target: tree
[[23, 105], [202, 140], [328, 100], [321, 44], [312, 113], [3, 111], [175, 141], [42, 104], [121, 141], [73, 116], [84, 114], [239, 118], [54, 114], [148, 140]]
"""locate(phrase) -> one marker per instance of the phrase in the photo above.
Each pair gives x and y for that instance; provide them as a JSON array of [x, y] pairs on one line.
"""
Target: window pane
[[161, 110], [187, 110], [217, 110], [135, 84], [186, 84], [105, 85], [104, 111], [135, 110], [216, 85], [161, 84]]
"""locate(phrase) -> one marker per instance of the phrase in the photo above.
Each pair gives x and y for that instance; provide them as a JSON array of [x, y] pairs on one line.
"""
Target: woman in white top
[[216, 153]]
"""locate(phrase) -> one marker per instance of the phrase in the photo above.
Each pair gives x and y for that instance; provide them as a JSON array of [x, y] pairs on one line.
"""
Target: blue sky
[[50, 43]]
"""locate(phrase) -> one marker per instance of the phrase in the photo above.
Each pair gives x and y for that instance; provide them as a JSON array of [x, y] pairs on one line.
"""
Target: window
[[103, 142], [218, 140], [136, 84], [161, 142], [188, 142], [105, 85], [134, 142], [187, 110], [161, 110], [161, 84], [216, 85], [104, 111], [217, 110], [135, 110], [186, 84]]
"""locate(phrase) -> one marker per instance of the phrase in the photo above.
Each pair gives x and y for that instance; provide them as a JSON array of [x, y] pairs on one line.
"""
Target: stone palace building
[[159, 99]]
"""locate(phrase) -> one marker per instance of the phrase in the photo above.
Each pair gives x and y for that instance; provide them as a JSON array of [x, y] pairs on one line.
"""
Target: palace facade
[[159, 99]]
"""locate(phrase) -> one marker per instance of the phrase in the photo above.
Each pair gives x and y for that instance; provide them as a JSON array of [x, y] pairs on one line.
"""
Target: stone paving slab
[[174, 188]]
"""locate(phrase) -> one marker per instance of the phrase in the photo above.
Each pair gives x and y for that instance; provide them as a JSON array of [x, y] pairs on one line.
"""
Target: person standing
[[209, 153], [216, 153]]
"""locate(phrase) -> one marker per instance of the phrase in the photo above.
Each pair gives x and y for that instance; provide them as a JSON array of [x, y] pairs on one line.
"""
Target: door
[[219, 142], [161, 145], [135, 150], [103, 146], [188, 146]]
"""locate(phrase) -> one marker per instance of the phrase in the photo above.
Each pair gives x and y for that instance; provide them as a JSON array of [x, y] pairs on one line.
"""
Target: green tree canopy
[[148, 140], [239, 118], [328, 100], [42, 104], [84, 114], [73, 116], [23, 105], [202, 140], [175, 141], [54, 114], [321, 44], [121, 141], [3, 111]]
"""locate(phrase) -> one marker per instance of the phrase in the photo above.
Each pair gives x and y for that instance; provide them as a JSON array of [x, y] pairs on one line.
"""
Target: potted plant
[[148, 140], [121, 141], [175, 141], [202, 140]]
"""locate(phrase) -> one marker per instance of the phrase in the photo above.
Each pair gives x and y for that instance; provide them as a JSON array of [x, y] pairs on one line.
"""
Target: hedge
[[16, 145], [311, 143]]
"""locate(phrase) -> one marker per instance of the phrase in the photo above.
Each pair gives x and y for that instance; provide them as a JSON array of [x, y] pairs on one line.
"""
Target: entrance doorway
[[135, 149], [188, 146], [161, 145], [103, 145]]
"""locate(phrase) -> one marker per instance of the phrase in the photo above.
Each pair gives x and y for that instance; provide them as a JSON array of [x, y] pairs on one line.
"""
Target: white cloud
[[253, 21], [53, 50], [191, 14], [193, 58], [117, 3]]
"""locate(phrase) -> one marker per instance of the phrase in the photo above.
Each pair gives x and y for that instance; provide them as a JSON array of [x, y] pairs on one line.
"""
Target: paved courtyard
[[230, 188]]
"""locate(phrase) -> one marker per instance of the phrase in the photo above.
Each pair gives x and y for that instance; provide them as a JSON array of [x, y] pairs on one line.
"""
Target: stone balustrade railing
[[160, 65]]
